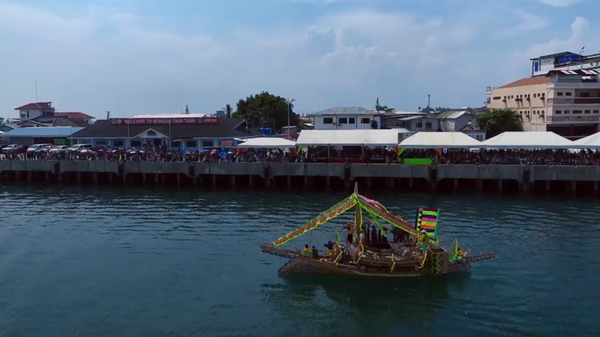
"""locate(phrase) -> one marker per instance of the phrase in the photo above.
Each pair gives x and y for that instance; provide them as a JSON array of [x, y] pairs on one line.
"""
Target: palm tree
[[228, 110]]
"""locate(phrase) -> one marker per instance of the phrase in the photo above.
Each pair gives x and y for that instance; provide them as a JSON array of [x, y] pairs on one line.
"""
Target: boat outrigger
[[414, 250]]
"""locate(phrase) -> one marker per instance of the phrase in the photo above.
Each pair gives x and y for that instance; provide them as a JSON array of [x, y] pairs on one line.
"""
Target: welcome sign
[[165, 121]]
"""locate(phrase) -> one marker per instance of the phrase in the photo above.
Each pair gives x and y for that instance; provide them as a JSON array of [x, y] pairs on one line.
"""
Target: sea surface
[[78, 261]]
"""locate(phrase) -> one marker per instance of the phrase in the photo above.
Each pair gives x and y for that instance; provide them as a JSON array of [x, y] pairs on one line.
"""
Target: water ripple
[[142, 263]]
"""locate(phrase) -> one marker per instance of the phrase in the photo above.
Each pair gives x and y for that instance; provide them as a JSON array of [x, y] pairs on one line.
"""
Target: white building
[[34, 110], [350, 118], [540, 66]]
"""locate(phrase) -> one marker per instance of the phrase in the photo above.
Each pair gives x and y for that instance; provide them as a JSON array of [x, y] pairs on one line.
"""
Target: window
[[419, 125], [577, 112], [351, 120], [327, 120], [118, 143], [428, 126], [101, 142], [587, 111], [176, 144], [208, 143], [496, 98], [567, 112], [559, 94], [558, 112], [192, 143], [567, 94], [136, 143], [596, 111], [365, 120], [342, 120]]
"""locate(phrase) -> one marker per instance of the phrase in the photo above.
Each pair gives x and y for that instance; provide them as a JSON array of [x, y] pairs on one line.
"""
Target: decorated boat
[[413, 249]]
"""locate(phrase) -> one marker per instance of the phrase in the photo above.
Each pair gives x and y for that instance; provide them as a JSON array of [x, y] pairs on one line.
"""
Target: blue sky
[[137, 57]]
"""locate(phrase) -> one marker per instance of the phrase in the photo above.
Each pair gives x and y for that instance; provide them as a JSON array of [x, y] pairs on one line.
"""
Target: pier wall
[[521, 177]]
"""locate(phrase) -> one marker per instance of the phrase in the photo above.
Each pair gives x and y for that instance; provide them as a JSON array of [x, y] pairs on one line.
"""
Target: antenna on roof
[[187, 110], [107, 115]]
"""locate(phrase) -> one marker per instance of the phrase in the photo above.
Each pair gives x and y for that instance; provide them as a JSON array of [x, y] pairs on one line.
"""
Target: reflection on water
[[360, 306], [126, 262]]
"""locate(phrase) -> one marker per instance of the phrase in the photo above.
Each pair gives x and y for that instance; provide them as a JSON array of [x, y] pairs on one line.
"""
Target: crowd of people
[[323, 155]]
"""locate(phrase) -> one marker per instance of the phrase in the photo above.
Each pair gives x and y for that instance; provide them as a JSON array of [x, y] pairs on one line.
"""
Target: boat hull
[[299, 264], [307, 265]]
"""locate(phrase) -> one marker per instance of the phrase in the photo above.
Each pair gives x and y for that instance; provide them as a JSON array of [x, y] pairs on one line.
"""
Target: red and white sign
[[165, 121]]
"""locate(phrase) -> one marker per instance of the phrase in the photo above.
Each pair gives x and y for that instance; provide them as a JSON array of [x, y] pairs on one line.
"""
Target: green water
[[117, 262]]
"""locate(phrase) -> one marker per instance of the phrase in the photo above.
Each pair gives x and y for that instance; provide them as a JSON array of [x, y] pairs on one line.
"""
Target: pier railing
[[347, 171]]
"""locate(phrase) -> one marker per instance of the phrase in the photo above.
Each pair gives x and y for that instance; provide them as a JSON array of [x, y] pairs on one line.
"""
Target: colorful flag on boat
[[427, 220]]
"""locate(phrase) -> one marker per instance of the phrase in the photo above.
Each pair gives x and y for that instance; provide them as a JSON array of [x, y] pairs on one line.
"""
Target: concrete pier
[[523, 179]]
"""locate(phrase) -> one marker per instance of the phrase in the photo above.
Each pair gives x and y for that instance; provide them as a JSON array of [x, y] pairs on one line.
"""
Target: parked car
[[33, 148], [101, 148], [14, 149], [59, 149], [80, 147], [44, 149]]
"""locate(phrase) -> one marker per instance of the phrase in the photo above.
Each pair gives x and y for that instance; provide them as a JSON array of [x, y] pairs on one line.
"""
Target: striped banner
[[427, 219]]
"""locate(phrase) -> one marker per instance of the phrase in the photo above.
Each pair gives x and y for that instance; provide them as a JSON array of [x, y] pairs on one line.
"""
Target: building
[[43, 135], [566, 102], [43, 114], [542, 65], [349, 118], [190, 134]]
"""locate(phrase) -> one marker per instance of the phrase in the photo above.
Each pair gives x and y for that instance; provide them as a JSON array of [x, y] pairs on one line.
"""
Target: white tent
[[436, 140], [370, 137], [589, 142], [528, 140], [267, 143]]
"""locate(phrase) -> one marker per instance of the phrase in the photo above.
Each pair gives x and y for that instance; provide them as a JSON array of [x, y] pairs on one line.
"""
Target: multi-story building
[[347, 119], [566, 102], [542, 65]]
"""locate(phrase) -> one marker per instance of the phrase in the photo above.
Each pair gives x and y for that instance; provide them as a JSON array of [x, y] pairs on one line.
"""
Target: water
[[117, 262]]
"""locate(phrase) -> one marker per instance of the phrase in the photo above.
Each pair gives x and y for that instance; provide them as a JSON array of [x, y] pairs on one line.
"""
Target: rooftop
[[76, 114], [526, 81], [345, 111], [228, 127], [43, 132], [452, 114], [35, 106]]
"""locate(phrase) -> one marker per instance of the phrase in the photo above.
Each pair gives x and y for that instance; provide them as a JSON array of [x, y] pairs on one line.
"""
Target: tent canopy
[[528, 140], [370, 137], [267, 143], [433, 140], [589, 142]]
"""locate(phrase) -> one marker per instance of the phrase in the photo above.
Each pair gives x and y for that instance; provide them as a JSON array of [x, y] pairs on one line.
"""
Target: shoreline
[[521, 179]]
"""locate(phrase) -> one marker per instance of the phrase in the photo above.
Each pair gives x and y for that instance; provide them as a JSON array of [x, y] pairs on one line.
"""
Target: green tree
[[228, 110], [374, 124], [266, 110], [497, 121]]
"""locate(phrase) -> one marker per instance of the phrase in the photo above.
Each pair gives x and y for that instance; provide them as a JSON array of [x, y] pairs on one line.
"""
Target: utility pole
[[289, 104]]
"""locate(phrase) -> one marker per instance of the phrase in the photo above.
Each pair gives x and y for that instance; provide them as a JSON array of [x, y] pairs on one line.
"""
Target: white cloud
[[106, 60], [528, 23], [560, 3], [573, 42]]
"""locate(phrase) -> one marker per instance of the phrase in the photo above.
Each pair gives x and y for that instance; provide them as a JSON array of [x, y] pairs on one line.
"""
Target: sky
[[156, 56]]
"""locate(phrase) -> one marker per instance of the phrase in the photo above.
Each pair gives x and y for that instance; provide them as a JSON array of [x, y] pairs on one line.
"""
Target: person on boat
[[461, 254], [349, 227], [424, 241], [329, 245], [307, 251], [314, 253]]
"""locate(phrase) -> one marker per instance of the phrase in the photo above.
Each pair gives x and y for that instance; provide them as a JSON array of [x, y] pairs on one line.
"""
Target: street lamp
[[289, 104]]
